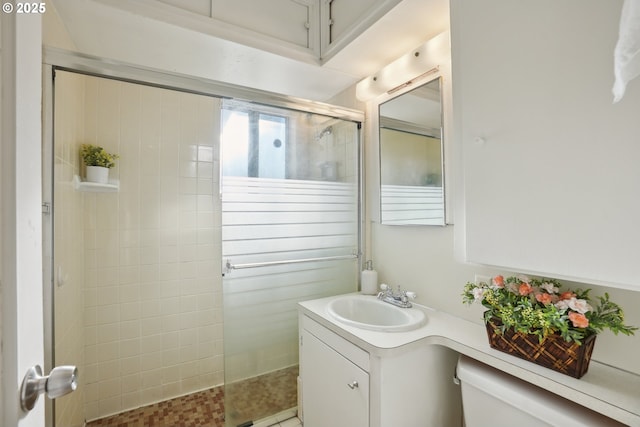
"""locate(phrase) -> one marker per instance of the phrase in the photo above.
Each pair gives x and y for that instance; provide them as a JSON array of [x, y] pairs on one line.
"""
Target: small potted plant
[[535, 320], [98, 162]]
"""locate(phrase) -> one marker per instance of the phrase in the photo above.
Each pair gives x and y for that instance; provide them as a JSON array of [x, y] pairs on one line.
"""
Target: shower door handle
[[61, 381]]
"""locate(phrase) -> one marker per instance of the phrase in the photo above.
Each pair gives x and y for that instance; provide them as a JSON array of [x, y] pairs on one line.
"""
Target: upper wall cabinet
[[342, 21], [316, 29], [550, 164], [289, 24]]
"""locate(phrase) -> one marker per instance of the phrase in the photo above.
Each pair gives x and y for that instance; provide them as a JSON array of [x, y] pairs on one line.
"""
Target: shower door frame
[[276, 255], [75, 62]]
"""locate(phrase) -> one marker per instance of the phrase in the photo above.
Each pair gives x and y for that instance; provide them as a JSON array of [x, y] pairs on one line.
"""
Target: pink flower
[[525, 289], [544, 298], [579, 320], [498, 281], [567, 295]]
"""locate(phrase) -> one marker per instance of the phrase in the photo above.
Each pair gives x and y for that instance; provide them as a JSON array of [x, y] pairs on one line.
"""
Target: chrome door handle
[[62, 380], [354, 385]]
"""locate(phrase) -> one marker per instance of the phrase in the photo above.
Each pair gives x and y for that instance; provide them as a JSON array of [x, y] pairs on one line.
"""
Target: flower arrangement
[[94, 155], [539, 307]]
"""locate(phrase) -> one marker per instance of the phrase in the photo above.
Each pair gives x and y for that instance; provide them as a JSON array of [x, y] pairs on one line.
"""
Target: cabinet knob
[[353, 385]]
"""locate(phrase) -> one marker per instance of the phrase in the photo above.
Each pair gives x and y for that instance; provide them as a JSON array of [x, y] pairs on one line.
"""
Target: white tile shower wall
[[153, 297], [68, 266]]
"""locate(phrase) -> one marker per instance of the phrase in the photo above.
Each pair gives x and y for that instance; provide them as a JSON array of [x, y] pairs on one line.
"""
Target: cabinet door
[[345, 14], [335, 392], [344, 20], [550, 165], [285, 20]]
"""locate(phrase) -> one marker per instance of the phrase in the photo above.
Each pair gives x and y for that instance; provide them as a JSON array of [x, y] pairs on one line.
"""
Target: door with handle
[[20, 216]]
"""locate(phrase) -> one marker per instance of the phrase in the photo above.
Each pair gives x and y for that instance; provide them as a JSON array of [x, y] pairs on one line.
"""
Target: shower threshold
[[286, 418]]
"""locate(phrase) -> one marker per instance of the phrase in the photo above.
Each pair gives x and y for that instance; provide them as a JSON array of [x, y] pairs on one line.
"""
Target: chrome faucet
[[399, 298]]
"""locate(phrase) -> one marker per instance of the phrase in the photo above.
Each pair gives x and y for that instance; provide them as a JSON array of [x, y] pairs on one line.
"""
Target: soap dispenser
[[369, 280]]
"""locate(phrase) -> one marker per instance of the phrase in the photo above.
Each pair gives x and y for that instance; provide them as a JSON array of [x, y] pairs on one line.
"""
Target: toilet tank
[[493, 398]]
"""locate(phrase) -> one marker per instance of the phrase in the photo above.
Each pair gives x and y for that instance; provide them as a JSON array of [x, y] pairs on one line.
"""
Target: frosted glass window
[[271, 146], [253, 144], [235, 142]]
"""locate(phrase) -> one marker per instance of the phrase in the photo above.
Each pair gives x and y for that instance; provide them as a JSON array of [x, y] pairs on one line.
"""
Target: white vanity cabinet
[[335, 390], [343, 384]]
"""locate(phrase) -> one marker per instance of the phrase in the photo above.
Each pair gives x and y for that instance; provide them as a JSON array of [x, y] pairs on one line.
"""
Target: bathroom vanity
[[359, 377], [344, 384]]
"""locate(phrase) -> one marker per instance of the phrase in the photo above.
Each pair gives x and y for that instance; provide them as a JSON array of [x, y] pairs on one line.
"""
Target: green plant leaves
[[94, 155]]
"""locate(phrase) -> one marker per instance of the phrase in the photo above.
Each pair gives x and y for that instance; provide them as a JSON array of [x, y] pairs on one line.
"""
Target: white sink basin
[[367, 312]]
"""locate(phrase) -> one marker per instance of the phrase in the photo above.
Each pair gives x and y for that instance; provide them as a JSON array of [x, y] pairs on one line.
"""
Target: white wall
[[54, 32]]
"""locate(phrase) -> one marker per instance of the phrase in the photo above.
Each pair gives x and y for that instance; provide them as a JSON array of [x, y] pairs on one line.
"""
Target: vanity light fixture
[[410, 82], [407, 69]]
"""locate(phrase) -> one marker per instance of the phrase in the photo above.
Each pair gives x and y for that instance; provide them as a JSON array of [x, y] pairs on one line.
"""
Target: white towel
[[627, 52]]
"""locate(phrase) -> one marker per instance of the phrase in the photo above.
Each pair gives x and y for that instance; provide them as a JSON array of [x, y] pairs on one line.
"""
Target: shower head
[[326, 131]]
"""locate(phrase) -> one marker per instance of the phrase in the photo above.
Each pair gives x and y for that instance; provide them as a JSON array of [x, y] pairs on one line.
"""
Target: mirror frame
[[395, 94]]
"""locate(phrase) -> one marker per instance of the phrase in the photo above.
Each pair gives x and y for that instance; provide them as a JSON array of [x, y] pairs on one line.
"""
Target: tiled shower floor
[[205, 408], [259, 397], [251, 399]]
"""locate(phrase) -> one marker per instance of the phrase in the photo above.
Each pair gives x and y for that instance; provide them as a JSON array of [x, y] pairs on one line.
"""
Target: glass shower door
[[290, 216]]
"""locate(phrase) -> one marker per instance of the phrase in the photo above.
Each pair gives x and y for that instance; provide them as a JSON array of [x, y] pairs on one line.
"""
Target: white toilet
[[492, 398]]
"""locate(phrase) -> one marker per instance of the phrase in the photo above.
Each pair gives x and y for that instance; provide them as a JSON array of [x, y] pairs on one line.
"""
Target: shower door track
[[133, 73], [230, 266]]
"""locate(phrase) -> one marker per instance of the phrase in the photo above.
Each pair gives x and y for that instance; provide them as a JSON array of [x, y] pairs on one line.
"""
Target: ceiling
[[116, 30]]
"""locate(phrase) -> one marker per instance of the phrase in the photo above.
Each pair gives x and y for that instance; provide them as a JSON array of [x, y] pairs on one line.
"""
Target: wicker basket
[[554, 352]]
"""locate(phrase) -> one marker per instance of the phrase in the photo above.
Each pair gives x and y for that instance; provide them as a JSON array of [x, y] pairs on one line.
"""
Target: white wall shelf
[[80, 185]]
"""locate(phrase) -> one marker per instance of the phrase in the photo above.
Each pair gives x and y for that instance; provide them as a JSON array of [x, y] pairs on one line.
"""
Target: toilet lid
[[526, 397]]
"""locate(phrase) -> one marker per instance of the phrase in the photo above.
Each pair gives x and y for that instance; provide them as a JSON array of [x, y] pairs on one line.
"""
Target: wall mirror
[[411, 157]]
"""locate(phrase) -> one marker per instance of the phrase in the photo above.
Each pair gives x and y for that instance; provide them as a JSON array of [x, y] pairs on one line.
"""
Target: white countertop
[[605, 389]]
